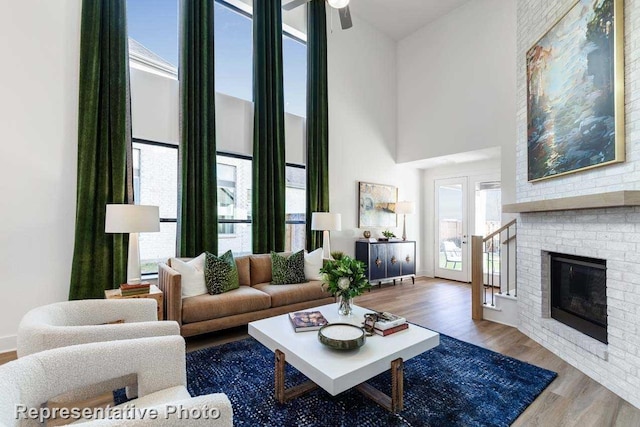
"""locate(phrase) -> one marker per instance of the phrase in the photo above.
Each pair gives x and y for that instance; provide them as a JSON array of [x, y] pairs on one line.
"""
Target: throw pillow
[[313, 264], [221, 273], [192, 273], [287, 270]]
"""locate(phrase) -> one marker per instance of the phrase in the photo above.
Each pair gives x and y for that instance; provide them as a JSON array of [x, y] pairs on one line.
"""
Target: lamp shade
[[326, 221], [338, 4], [403, 208], [132, 219]]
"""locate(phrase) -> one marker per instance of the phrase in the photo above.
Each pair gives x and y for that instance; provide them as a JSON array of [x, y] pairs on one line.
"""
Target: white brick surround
[[611, 234]]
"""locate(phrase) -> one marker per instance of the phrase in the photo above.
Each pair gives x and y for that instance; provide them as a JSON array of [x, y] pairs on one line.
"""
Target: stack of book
[[138, 289], [388, 324], [307, 320]]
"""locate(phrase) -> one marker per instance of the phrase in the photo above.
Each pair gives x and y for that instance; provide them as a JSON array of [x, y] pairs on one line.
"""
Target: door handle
[[464, 242]]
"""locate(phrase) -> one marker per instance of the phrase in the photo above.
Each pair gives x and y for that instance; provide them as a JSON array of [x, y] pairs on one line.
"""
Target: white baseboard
[[423, 274], [8, 343]]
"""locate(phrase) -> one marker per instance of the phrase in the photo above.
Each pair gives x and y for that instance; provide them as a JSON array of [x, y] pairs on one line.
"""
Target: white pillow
[[313, 264], [192, 273]]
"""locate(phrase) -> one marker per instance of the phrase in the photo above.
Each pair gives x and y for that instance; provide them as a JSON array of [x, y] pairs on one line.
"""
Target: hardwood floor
[[573, 399]]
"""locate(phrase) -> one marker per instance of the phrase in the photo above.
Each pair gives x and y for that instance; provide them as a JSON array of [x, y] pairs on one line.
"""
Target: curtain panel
[[269, 186], [104, 148], [317, 119], [197, 207]]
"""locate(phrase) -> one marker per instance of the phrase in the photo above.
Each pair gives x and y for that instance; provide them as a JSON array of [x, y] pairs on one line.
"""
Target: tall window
[[233, 32], [294, 62], [154, 24], [153, 31], [157, 185], [296, 207], [234, 204]]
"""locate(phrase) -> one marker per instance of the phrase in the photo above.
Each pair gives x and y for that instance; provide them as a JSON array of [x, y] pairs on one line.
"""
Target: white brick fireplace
[[612, 233]]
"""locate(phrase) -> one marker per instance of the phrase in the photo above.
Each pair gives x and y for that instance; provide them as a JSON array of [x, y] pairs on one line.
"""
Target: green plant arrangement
[[388, 234], [337, 255], [345, 278]]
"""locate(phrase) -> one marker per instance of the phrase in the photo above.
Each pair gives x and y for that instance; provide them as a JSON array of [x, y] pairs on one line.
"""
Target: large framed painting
[[377, 205], [575, 92]]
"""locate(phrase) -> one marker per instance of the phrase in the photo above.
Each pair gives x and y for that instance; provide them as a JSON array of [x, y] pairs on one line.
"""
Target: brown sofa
[[255, 299]]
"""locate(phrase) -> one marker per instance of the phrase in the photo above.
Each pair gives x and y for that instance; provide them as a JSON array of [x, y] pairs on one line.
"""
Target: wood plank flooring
[[573, 399]]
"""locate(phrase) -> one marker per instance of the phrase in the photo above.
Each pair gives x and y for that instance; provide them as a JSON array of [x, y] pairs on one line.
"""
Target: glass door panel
[[451, 229], [488, 218]]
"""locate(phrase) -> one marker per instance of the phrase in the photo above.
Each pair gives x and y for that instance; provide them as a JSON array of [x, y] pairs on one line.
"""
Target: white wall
[[456, 86], [39, 41], [362, 128], [485, 170]]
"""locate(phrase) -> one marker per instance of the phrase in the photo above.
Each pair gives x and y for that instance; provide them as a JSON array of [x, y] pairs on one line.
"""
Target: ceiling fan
[[341, 5]]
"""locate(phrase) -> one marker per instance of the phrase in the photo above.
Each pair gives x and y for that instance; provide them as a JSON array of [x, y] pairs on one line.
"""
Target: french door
[[451, 242]]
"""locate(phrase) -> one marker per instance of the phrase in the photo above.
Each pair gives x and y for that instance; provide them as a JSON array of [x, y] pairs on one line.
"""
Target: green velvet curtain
[[104, 148], [198, 210], [317, 118], [268, 196]]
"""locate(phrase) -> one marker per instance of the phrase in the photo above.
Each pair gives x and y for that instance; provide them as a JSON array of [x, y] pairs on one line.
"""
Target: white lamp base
[[133, 264], [404, 227], [326, 245]]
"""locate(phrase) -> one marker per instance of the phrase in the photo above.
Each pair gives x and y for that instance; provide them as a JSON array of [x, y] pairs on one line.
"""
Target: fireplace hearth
[[579, 294]]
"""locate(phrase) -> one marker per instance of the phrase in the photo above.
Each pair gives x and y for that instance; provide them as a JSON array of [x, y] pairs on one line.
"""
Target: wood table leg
[[393, 403], [397, 385], [280, 361], [284, 395]]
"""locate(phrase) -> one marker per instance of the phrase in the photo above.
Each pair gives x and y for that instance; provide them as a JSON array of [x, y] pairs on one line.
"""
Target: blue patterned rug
[[454, 384]]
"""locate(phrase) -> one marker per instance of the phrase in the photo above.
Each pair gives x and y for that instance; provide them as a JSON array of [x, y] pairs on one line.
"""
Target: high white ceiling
[[399, 18]]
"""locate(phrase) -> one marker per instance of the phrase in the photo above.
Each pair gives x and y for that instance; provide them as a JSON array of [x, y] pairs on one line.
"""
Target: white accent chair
[[85, 321], [79, 322], [158, 362]]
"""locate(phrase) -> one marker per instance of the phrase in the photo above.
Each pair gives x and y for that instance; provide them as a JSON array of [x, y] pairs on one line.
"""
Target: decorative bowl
[[341, 336]]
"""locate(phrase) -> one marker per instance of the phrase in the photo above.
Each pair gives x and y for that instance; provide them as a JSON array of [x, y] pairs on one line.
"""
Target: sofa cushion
[[244, 270], [260, 268], [206, 307], [286, 270], [313, 264], [220, 273], [192, 273], [294, 293]]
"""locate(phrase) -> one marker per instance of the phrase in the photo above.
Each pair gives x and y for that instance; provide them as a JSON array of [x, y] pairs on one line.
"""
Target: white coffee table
[[336, 371]]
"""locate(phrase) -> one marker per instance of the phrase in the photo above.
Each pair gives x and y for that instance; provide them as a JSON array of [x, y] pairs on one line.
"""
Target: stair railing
[[487, 260]]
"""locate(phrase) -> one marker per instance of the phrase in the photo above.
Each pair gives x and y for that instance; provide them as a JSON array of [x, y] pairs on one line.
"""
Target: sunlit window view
[[450, 226], [488, 220], [153, 33]]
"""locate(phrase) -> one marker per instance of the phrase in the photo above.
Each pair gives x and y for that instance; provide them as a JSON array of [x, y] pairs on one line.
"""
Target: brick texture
[[611, 234]]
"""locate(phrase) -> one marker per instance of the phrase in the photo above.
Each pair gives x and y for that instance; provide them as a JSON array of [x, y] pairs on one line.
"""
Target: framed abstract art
[[575, 92], [377, 205]]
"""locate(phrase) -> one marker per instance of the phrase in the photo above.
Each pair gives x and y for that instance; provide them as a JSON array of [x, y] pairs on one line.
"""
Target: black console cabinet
[[388, 260]]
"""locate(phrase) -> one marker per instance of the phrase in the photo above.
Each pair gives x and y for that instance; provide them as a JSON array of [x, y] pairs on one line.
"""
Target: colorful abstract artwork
[[377, 205], [575, 104]]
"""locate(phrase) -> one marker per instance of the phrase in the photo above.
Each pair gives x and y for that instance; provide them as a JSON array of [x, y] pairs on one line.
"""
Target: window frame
[[285, 32], [218, 153]]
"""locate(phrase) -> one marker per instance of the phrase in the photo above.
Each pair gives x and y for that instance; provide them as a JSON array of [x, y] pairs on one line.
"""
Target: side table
[[154, 292]]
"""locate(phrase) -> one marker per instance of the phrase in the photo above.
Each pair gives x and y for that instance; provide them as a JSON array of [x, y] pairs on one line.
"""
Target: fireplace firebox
[[579, 293]]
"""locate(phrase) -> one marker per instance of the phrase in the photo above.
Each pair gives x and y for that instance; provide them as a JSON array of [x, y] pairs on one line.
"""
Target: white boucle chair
[[85, 321], [158, 362]]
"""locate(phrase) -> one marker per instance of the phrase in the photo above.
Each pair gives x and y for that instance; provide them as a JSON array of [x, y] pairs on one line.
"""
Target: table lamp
[[404, 208], [132, 219], [325, 222]]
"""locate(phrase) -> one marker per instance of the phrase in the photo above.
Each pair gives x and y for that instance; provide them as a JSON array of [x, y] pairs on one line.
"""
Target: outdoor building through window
[[153, 27]]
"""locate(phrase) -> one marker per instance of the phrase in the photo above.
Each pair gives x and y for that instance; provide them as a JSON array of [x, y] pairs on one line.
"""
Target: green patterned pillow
[[220, 273], [287, 270]]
